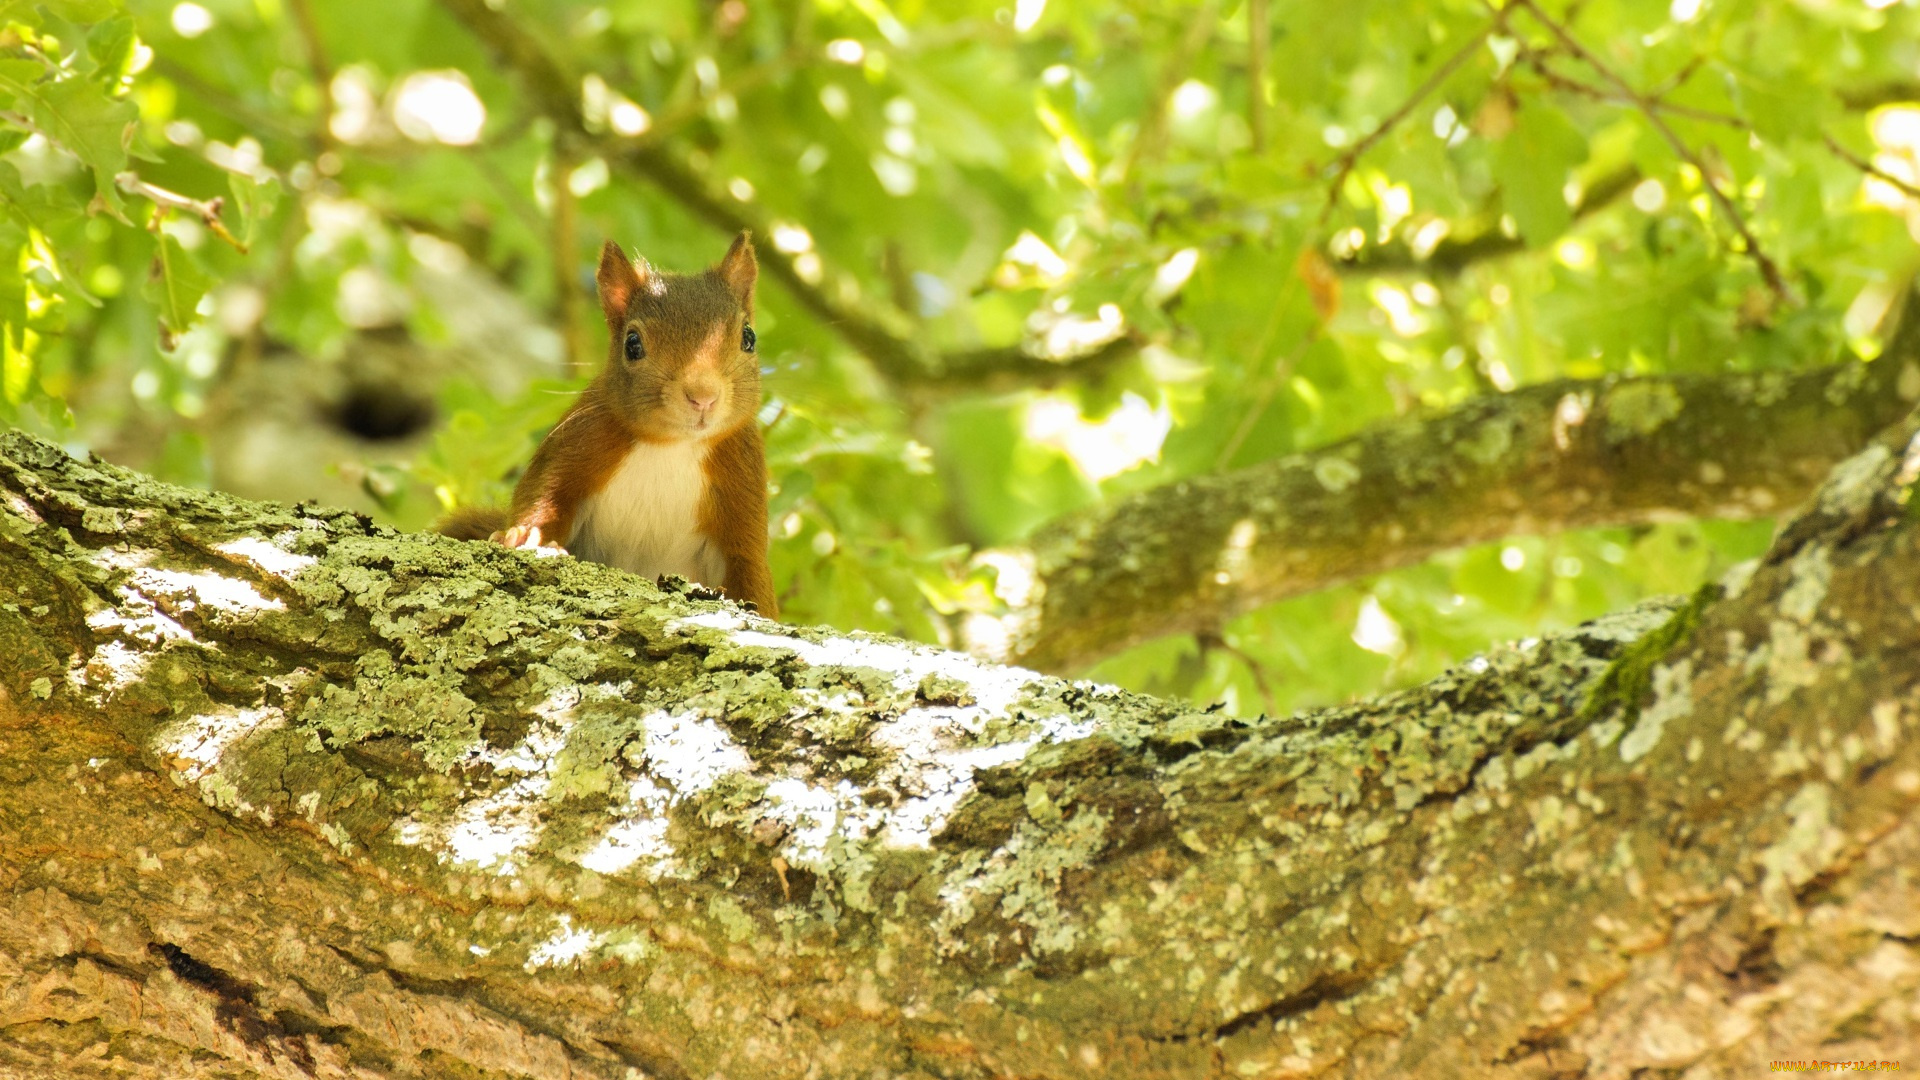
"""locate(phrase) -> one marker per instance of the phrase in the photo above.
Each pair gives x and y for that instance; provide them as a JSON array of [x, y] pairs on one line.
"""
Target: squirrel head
[[680, 351]]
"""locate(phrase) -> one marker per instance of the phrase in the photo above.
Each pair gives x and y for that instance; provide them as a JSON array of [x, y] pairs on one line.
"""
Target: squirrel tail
[[471, 523]]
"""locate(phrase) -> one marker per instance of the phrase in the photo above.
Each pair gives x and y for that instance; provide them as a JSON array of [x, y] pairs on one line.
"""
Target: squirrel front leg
[[749, 578], [573, 462], [735, 516]]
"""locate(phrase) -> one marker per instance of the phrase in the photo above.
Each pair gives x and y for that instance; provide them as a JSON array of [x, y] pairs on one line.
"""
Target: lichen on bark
[[303, 796]]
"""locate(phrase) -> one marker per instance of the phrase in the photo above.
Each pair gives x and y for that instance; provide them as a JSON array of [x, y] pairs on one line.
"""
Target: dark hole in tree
[[379, 413]]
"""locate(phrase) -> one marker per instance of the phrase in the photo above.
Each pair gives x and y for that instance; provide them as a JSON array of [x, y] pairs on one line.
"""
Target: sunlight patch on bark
[[195, 747], [267, 556]]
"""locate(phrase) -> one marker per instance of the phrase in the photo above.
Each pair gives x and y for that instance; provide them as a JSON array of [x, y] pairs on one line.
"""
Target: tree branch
[[1869, 168], [208, 211], [290, 795], [1565, 455], [899, 358]]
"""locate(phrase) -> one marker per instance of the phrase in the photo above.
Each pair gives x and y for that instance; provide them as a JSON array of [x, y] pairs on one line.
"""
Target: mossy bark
[[291, 795], [1189, 556]]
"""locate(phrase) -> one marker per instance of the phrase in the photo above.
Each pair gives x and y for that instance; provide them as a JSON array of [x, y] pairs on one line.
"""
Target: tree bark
[[1188, 556], [293, 795]]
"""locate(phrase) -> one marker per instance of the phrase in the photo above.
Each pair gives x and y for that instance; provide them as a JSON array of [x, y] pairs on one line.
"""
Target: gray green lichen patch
[[1811, 576], [1335, 473], [1807, 846], [1672, 699], [1856, 482], [1638, 409], [1490, 440], [420, 703], [1020, 882]]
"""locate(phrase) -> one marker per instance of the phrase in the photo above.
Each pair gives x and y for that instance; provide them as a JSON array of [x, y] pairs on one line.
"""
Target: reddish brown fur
[[472, 523], [690, 325]]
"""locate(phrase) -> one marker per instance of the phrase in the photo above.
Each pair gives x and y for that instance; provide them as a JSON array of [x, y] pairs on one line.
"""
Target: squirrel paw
[[528, 537]]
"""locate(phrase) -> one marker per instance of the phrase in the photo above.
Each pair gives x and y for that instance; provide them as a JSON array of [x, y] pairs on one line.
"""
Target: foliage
[[1431, 201]]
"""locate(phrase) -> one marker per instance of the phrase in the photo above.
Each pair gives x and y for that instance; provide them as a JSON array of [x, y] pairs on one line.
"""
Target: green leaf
[[255, 200], [1779, 111], [1532, 164], [16, 365], [176, 285], [110, 47], [79, 116], [85, 11], [13, 280]]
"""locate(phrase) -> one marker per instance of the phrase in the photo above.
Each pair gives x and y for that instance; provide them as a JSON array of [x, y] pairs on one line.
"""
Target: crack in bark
[[238, 1009]]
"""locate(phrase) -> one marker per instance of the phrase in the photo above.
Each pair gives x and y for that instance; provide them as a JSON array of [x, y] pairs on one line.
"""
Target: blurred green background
[[1309, 216]]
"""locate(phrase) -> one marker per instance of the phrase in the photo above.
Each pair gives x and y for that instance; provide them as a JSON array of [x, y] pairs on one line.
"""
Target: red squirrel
[[658, 468]]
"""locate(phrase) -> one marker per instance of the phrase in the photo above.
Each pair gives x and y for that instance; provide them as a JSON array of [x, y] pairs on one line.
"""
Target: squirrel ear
[[619, 279], [739, 269]]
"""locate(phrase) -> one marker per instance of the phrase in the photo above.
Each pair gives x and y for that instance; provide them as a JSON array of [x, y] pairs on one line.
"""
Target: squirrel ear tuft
[[619, 279], [739, 269]]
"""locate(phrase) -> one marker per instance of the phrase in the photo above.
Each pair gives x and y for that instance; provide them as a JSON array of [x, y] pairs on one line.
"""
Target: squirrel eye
[[634, 350], [747, 339]]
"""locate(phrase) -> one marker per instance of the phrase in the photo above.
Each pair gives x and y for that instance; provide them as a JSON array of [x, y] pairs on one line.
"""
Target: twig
[[1873, 95], [1868, 167], [208, 211], [1209, 640], [1433, 82], [1463, 248], [1537, 61], [1263, 398], [1651, 110]]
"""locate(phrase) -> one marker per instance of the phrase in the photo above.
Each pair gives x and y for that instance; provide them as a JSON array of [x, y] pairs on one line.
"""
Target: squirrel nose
[[702, 400]]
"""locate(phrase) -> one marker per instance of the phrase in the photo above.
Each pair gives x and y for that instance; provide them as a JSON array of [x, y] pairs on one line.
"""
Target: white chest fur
[[646, 520]]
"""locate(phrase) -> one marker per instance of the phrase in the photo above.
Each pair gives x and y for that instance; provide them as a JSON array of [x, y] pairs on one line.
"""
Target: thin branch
[[1212, 640], [1433, 82], [207, 211], [1461, 250], [1873, 95], [1904, 187], [1537, 62], [1651, 110], [1263, 399]]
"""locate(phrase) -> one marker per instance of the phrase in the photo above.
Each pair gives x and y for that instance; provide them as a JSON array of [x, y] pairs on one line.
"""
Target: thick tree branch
[[1565, 455], [290, 795], [895, 354]]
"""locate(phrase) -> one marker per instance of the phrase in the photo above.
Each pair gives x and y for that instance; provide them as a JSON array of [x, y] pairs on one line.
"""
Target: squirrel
[[659, 467]]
